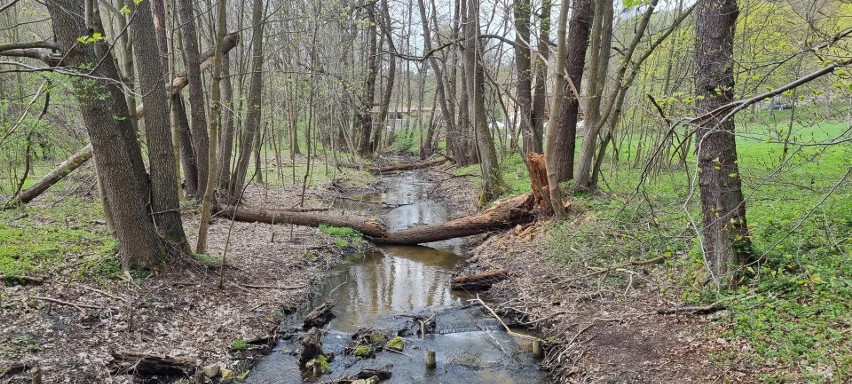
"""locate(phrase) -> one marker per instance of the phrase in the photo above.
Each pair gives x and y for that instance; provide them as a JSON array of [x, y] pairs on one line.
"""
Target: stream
[[385, 288]]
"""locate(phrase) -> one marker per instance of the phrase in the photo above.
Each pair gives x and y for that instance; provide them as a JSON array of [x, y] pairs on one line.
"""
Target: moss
[[363, 351], [397, 344]]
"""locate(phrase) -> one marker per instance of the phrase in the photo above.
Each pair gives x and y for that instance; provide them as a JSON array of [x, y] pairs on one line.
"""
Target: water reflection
[[393, 279]]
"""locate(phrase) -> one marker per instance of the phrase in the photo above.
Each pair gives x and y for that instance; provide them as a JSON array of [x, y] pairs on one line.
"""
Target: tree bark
[[599, 64], [479, 281], [119, 158], [492, 183], [540, 95], [161, 157], [726, 241], [72, 163], [440, 88], [558, 94], [523, 67], [501, 215], [198, 121], [215, 118], [566, 141], [252, 125], [365, 113]]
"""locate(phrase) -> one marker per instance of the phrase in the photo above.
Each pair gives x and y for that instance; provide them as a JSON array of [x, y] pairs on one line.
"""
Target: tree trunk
[[440, 88], [365, 114], [492, 182], [119, 158], [501, 215], [726, 240], [187, 154], [75, 161], [558, 94], [198, 121], [566, 139], [540, 96], [252, 125], [388, 92], [522, 64], [215, 118], [161, 158], [599, 64]]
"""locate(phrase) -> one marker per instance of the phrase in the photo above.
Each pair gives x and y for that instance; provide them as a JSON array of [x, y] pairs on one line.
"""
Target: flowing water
[[383, 288]]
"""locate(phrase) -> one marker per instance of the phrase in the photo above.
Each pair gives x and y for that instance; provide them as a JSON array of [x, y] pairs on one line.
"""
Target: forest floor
[[79, 312], [591, 289]]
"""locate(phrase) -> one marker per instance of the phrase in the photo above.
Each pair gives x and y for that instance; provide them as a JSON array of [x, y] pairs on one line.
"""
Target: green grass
[[342, 236], [38, 239], [792, 317]]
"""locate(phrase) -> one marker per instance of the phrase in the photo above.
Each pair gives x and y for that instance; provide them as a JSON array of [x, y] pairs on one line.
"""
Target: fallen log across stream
[[409, 166], [502, 214]]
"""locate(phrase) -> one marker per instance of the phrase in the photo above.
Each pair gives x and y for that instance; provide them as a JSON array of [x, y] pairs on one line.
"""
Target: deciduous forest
[[364, 191]]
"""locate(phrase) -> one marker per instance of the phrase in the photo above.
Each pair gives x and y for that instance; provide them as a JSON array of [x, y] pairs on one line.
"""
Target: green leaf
[[124, 10]]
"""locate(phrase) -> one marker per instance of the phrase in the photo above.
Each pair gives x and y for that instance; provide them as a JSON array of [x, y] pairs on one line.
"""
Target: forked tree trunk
[[726, 241], [119, 158]]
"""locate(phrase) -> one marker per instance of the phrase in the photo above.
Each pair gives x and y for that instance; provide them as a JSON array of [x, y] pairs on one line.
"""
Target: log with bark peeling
[[480, 281], [145, 364], [409, 166], [501, 215], [82, 156]]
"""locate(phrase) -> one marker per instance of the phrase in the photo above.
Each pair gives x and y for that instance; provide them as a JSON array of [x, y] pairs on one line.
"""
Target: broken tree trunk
[[409, 166], [319, 316], [538, 180], [502, 215], [479, 281], [83, 155], [75, 161], [311, 346], [144, 364]]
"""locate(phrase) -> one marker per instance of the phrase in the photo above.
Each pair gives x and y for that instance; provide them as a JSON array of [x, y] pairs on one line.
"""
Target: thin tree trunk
[[558, 94], [566, 139], [252, 125], [365, 114], [215, 118], [198, 122]]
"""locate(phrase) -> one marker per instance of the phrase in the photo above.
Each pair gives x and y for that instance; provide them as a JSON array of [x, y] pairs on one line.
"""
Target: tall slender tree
[[198, 117], [524, 73]]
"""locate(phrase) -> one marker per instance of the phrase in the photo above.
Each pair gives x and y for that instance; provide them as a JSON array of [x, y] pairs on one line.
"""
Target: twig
[[75, 305], [705, 310], [506, 327], [271, 286], [103, 293]]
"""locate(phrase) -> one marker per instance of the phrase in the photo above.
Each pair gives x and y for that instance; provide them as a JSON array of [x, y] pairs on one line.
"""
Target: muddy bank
[[598, 330]]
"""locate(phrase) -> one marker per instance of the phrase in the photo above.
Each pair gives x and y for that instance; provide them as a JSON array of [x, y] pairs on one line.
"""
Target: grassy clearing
[[792, 319]]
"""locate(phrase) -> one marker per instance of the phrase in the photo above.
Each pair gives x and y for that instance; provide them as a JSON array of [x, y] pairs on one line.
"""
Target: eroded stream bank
[[403, 291]]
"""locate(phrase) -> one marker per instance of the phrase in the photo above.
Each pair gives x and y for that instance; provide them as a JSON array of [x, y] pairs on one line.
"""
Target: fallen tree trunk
[[144, 364], [307, 219], [502, 215], [409, 166], [479, 281], [83, 155], [75, 161]]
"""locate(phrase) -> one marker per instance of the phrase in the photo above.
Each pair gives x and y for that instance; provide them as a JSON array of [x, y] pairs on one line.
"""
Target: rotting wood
[[365, 374], [311, 346], [145, 364], [703, 310], [409, 166], [501, 215], [22, 279], [319, 316], [16, 368], [538, 181], [479, 281]]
